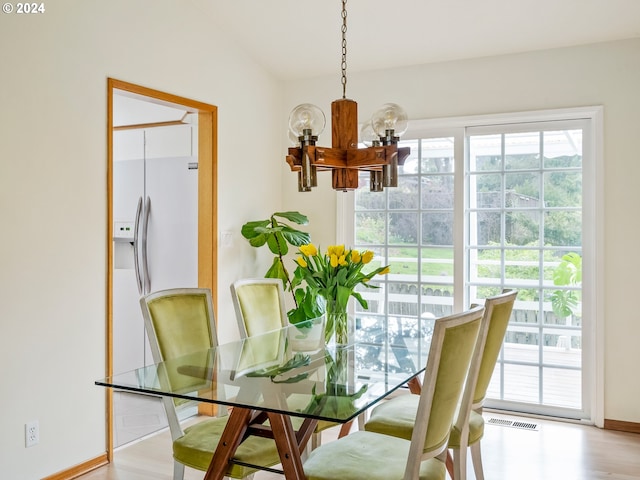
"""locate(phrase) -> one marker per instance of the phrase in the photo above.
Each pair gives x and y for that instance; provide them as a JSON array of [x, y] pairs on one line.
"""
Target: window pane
[[437, 155], [437, 228], [522, 190], [563, 228], [485, 153], [403, 228], [366, 199], [488, 190], [522, 151], [563, 189], [562, 387], [522, 265], [563, 149], [521, 383], [411, 162], [436, 301], [437, 192], [403, 262], [370, 228], [520, 344], [405, 196], [522, 228], [485, 265], [559, 349], [403, 299], [437, 263], [485, 228]]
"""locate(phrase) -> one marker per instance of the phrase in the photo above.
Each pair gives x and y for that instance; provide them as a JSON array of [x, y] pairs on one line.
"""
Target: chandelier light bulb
[[293, 139], [390, 116], [306, 117], [368, 136]]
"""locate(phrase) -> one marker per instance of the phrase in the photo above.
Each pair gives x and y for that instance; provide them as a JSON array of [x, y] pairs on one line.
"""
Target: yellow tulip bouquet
[[333, 276]]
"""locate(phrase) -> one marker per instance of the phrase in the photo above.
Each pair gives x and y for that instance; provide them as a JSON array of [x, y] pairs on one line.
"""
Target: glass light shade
[[367, 135], [390, 116], [306, 116], [293, 139]]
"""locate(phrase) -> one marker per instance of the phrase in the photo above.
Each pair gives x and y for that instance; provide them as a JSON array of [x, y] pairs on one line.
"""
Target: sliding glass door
[[482, 208]]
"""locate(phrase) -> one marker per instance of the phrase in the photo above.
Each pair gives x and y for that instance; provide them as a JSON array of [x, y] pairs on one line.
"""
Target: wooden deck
[[560, 376]]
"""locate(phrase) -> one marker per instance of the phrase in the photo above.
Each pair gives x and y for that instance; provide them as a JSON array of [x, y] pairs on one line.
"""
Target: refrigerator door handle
[[136, 241], [145, 264]]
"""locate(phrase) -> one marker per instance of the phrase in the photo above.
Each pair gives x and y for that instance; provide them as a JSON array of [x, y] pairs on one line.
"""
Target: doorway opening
[[161, 199]]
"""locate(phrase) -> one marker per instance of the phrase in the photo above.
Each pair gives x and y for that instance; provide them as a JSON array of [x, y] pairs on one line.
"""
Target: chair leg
[[315, 440], [178, 470], [460, 463], [476, 458], [362, 419]]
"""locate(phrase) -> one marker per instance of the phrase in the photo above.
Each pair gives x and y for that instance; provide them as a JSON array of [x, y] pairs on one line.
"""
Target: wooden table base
[[290, 443]]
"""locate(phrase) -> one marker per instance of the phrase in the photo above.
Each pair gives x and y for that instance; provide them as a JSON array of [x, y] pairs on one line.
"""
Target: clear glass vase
[[337, 326]]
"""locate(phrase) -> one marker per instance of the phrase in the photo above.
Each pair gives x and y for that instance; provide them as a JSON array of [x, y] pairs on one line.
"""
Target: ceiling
[[302, 38]]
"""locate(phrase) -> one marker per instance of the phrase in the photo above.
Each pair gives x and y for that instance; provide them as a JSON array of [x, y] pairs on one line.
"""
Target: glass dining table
[[280, 375]]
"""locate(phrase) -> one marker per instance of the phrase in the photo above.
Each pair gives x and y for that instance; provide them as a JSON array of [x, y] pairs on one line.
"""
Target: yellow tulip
[[333, 260], [336, 250], [367, 256], [342, 261], [355, 256], [385, 271], [301, 262], [309, 250]]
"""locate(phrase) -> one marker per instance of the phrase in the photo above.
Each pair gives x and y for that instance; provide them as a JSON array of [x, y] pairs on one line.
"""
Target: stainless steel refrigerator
[[155, 202]]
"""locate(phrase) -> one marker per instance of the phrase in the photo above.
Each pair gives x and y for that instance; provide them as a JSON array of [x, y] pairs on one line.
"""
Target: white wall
[[53, 70], [605, 74], [53, 162]]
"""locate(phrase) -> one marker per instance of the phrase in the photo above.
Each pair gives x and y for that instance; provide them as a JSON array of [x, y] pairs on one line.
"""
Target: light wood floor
[[555, 450]]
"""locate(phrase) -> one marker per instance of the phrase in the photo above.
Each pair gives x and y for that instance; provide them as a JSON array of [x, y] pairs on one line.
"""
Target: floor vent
[[513, 424]]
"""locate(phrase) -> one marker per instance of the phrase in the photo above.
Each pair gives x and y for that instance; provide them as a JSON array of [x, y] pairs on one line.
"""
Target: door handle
[[145, 264], [136, 241]]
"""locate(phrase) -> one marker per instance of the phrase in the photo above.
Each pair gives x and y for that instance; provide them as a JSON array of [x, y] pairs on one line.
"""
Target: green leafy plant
[[277, 236], [568, 272]]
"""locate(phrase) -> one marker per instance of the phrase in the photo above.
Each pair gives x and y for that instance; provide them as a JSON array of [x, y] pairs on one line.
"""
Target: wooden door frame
[[207, 206]]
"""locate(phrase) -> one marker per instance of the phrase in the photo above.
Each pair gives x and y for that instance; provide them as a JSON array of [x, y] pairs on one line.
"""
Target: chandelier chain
[[344, 49]]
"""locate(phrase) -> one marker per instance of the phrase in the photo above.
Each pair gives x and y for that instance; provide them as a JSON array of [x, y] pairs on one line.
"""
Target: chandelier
[[345, 159]]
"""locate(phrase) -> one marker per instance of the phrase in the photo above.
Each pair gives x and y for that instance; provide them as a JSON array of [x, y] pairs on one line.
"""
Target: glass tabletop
[[283, 371]]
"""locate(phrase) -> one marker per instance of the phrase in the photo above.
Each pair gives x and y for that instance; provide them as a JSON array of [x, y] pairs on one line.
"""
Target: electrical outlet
[[31, 434]]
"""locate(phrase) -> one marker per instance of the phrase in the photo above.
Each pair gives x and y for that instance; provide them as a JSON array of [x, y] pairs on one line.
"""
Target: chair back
[[178, 322], [450, 357], [259, 305], [497, 310]]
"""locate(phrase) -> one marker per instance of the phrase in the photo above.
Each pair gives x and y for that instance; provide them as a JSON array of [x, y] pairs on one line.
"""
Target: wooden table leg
[[449, 464], [232, 435], [288, 446], [345, 429], [415, 386]]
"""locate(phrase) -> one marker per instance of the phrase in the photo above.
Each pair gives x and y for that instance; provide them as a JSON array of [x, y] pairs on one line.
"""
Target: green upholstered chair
[[259, 305], [396, 416], [260, 308], [181, 322], [376, 456]]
